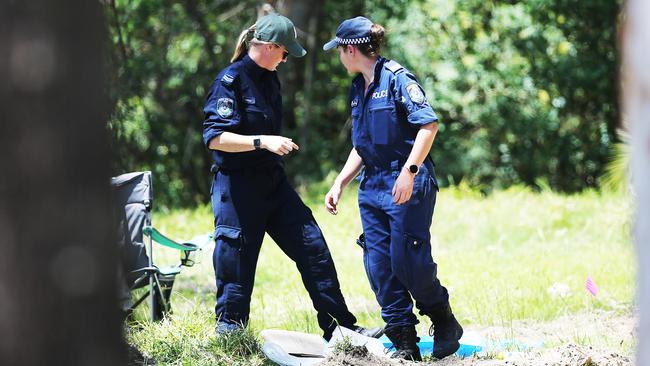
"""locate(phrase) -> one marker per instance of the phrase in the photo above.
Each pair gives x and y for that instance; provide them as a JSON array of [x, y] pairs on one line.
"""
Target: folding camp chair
[[134, 199]]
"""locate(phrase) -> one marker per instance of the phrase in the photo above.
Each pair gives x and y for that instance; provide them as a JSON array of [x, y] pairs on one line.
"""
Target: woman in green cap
[[251, 195]]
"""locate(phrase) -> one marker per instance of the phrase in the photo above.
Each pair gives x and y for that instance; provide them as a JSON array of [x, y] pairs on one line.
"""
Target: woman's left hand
[[403, 187]]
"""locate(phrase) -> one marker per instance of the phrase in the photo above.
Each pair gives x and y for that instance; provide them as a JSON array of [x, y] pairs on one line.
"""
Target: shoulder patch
[[225, 107], [393, 66], [415, 93]]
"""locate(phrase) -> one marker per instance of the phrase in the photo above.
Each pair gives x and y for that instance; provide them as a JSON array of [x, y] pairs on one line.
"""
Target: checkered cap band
[[352, 40]]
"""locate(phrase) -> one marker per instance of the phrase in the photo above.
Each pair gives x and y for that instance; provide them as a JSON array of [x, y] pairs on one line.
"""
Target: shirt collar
[[254, 69], [379, 65], [360, 82]]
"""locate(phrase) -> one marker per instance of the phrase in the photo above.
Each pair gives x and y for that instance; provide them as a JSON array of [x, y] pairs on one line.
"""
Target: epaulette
[[393, 66], [229, 77]]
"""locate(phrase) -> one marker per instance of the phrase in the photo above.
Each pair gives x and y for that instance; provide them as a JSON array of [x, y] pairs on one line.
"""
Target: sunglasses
[[285, 53]]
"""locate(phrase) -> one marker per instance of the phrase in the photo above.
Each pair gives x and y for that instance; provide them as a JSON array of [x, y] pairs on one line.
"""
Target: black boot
[[446, 331], [405, 341]]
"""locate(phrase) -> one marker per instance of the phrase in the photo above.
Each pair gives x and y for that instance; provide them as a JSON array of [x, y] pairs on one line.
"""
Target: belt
[[214, 169], [393, 166]]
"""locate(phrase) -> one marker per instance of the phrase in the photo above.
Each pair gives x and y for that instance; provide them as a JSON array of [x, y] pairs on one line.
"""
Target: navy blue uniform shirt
[[386, 120], [243, 99]]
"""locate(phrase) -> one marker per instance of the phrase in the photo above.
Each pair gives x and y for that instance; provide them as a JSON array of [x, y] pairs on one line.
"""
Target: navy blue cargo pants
[[397, 248], [249, 203]]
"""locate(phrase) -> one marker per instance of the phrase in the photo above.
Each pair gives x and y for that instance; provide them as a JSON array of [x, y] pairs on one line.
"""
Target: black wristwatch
[[414, 169], [257, 143]]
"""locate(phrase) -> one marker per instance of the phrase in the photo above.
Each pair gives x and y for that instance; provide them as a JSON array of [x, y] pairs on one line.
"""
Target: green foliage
[[164, 57], [525, 91], [616, 177]]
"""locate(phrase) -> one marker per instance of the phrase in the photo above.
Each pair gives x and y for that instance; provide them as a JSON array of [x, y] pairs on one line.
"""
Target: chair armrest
[[159, 238]]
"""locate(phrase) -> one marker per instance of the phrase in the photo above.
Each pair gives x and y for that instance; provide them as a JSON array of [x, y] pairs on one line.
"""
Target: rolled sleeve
[[411, 96], [221, 112]]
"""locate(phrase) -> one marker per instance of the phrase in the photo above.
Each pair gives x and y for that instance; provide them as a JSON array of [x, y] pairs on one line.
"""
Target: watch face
[[413, 169]]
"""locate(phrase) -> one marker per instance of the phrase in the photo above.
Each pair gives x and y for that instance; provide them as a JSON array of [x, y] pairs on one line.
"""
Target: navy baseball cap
[[351, 31]]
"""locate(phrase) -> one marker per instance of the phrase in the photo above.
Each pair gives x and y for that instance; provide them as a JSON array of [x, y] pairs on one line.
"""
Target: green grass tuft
[[241, 343], [344, 345]]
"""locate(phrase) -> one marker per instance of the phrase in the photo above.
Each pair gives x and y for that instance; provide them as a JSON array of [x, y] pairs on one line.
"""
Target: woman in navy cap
[[393, 127], [250, 192]]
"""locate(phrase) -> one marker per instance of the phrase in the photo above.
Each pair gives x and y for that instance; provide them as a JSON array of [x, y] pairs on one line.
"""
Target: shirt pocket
[[256, 120], [382, 125]]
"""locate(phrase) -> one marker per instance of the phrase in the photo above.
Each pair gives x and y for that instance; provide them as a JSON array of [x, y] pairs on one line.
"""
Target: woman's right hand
[[278, 144], [332, 198]]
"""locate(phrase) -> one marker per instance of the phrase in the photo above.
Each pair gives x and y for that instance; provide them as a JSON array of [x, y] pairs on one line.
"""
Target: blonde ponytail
[[241, 47]]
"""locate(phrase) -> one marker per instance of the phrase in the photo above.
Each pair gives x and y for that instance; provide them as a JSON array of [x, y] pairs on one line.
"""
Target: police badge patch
[[225, 107], [415, 93]]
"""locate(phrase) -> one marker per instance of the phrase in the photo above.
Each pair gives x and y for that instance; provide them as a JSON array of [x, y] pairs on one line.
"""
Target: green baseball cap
[[279, 29]]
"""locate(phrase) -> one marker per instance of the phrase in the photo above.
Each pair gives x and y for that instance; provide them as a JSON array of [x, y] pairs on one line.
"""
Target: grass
[[187, 338], [500, 257]]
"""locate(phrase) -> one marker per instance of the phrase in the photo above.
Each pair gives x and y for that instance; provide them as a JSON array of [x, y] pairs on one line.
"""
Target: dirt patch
[[568, 355], [608, 339], [346, 359], [582, 355]]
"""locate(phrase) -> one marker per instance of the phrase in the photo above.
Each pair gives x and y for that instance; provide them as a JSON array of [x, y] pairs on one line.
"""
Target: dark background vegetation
[[526, 92]]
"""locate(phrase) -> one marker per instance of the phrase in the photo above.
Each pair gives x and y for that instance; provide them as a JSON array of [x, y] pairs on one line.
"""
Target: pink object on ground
[[591, 286]]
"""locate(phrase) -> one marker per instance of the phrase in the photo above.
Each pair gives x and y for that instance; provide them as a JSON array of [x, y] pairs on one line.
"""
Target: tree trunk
[[297, 74], [58, 264], [636, 78], [313, 27]]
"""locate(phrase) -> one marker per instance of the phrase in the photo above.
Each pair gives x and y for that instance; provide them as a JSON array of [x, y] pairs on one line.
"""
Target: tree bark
[[636, 102], [313, 26], [298, 75], [58, 303]]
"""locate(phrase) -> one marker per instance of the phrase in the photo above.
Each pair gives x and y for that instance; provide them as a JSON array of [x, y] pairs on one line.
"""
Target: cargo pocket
[[413, 242], [316, 256], [228, 245], [417, 252]]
